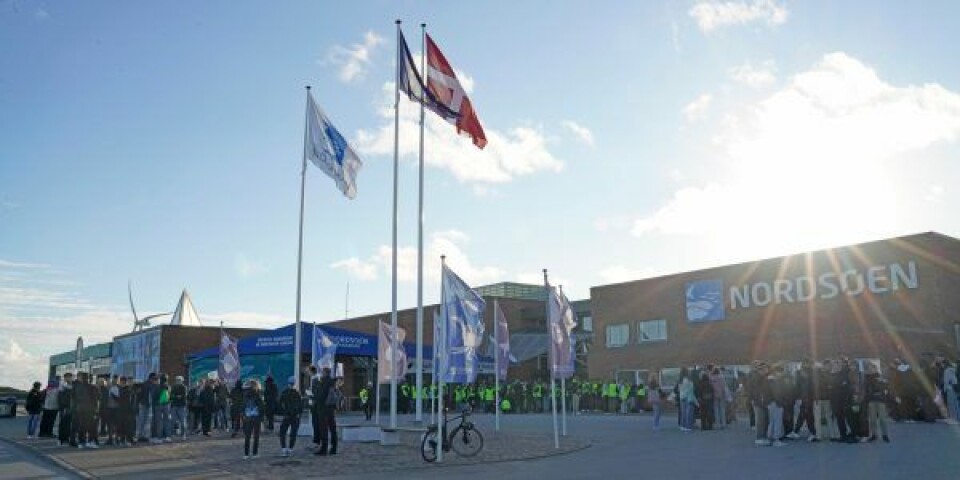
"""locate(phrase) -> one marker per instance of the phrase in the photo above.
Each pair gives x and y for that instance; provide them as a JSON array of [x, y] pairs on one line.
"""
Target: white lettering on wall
[[877, 279]]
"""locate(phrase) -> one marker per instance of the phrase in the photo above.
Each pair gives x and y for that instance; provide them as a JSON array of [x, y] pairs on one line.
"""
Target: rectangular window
[[618, 335], [652, 331], [586, 323]]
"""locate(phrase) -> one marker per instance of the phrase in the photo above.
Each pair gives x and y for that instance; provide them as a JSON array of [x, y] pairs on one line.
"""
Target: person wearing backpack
[[251, 415], [178, 407], [290, 406]]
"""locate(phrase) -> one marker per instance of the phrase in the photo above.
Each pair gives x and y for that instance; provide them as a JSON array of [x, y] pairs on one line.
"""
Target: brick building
[[879, 300]]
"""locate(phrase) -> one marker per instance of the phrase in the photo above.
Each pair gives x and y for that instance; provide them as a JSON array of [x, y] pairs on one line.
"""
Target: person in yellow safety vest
[[537, 395], [489, 399], [505, 405], [641, 393], [612, 397], [624, 391], [365, 402]]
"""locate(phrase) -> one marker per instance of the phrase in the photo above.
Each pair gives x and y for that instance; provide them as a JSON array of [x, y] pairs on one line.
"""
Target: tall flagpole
[[496, 363], [563, 388], [303, 184], [419, 408], [553, 379], [393, 253], [442, 371]]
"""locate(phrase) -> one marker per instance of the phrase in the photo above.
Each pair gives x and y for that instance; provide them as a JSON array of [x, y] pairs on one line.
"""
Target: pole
[[496, 365], [553, 384], [303, 184], [419, 407], [563, 384], [441, 427], [346, 303], [393, 253]]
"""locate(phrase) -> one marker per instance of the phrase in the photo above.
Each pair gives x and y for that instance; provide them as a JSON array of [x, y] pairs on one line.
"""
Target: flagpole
[[563, 390], [303, 185], [553, 380], [393, 253], [419, 408], [441, 428], [496, 365]]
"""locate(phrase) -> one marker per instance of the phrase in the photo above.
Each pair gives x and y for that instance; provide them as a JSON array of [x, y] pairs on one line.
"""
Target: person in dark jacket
[[178, 407], [207, 405], [877, 394], [65, 404], [805, 390], [236, 408], [50, 408], [86, 398], [325, 400], [270, 400], [841, 399], [252, 408], [145, 399], [34, 408], [705, 395], [126, 412], [290, 406], [761, 397]]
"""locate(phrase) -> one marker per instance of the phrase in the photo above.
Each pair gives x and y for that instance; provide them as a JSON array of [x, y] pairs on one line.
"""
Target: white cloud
[[582, 133], [620, 273], [247, 267], [697, 109], [20, 368], [798, 160], [519, 151], [450, 243], [354, 60], [712, 14], [755, 76]]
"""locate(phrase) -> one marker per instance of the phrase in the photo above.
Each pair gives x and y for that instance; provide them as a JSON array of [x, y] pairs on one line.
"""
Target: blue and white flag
[[324, 350], [410, 81], [329, 151], [502, 343], [561, 322], [463, 310], [229, 367]]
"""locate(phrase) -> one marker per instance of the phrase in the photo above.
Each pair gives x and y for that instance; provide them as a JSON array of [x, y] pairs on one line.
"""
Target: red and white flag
[[443, 84]]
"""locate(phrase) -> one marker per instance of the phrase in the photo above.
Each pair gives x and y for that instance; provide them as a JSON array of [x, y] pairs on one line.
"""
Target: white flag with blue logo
[[561, 321], [324, 350], [463, 308], [329, 151]]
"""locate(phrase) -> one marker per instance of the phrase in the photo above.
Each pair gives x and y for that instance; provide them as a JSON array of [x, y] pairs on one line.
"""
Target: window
[[587, 323], [617, 335], [652, 331]]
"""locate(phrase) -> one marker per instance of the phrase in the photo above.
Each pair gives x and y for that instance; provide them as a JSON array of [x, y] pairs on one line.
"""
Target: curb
[[51, 458]]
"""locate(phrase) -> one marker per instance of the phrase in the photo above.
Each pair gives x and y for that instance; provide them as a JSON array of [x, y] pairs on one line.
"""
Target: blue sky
[[161, 143]]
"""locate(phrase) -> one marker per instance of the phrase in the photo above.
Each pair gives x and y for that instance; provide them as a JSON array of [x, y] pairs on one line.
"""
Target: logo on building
[[705, 301]]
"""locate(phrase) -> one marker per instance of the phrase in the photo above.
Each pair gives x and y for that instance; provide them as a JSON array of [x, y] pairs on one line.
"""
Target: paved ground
[[17, 462], [597, 446]]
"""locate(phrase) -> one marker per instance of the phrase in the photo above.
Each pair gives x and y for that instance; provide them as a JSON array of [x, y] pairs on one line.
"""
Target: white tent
[[185, 314]]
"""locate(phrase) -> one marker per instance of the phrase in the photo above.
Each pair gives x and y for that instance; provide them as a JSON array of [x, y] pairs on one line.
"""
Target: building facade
[[895, 298]]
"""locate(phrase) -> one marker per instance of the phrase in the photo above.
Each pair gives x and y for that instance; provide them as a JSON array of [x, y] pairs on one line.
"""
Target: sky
[[161, 143]]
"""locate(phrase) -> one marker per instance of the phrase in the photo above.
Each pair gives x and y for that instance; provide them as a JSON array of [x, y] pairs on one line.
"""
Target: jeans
[[46, 422], [877, 413], [180, 419], [686, 414], [763, 420], [292, 423], [775, 430], [251, 427], [806, 417], [823, 416], [657, 410], [953, 403], [144, 421], [161, 421], [720, 411], [328, 429], [32, 424]]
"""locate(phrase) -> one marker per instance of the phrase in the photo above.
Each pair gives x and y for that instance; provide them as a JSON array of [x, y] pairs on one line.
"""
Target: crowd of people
[[81, 412]]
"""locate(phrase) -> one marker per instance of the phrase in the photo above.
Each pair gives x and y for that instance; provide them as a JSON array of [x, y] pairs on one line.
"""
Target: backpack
[[250, 408]]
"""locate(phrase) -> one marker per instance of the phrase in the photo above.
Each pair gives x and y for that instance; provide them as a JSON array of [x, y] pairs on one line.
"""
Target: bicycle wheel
[[467, 442], [428, 446]]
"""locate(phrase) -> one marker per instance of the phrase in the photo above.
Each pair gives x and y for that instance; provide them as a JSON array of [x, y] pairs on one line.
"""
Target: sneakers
[[284, 452], [167, 440], [813, 438], [778, 443], [761, 442], [793, 435], [886, 439], [246, 457], [92, 445]]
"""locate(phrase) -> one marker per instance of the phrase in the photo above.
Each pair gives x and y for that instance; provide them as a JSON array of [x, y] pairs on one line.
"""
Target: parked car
[[8, 407]]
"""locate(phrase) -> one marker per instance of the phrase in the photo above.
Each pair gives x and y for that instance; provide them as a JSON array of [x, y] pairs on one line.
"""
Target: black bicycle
[[464, 439]]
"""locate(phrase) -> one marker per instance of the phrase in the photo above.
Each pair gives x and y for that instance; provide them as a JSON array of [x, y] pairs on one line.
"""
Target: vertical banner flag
[[437, 341], [464, 329], [410, 82], [329, 151], [387, 371], [562, 322], [502, 343], [443, 84], [324, 350], [229, 368]]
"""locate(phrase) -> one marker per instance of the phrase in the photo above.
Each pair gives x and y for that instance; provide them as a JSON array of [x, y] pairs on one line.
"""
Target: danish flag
[[443, 84]]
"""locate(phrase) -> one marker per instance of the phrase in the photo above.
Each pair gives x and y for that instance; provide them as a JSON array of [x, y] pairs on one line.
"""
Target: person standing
[[49, 409], [236, 409], [145, 399], [291, 407], [761, 396], [951, 387], [65, 403], [85, 396], [655, 397], [327, 397], [781, 396], [841, 396], [270, 400], [704, 392], [720, 395], [688, 400], [877, 393], [34, 406], [178, 407], [207, 400], [161, 412], [805, 389], [126, 412], [111, 412], [251, 416], [365, 402]]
